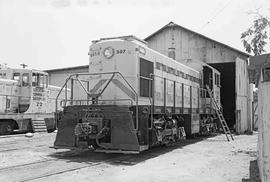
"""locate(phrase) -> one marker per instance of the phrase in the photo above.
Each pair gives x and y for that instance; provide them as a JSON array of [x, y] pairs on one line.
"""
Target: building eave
[[172, 24], [67, 68]]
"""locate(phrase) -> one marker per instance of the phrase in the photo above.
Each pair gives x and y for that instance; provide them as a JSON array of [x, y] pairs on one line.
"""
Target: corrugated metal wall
[[58, 77]]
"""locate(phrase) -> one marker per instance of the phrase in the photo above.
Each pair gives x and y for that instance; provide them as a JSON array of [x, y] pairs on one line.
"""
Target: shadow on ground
[[253, 172], [88, 156]]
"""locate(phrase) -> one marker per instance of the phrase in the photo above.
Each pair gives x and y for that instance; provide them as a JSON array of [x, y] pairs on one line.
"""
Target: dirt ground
[[210, 159]]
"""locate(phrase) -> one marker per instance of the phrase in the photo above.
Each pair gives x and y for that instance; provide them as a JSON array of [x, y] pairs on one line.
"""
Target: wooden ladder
[[220, 115]]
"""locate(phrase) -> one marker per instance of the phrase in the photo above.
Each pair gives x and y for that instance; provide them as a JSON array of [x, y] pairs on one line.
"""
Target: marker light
[[108, 52]]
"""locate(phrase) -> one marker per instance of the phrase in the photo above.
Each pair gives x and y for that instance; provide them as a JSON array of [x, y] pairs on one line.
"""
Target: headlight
[[108, 52]]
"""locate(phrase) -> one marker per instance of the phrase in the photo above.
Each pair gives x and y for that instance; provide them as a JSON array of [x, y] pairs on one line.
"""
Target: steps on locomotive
[[39, 125]]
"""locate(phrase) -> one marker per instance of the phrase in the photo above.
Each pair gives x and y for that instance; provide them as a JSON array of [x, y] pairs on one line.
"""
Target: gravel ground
[[210, 159]]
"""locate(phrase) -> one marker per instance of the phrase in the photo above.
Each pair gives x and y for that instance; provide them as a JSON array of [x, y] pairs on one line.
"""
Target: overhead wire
[[222, 9]]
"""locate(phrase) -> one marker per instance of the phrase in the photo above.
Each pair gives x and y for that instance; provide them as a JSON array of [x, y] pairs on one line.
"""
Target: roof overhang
[[174, 25]]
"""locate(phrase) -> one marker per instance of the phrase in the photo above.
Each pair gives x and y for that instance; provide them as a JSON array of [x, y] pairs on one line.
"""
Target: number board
[[95, 53]]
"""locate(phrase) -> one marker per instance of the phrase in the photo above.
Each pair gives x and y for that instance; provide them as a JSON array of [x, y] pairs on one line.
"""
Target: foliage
[[256, 36]]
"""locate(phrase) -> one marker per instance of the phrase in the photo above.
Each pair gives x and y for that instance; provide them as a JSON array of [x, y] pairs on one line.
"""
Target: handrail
[[105, 73], [61, 91], [106, 85], [86, 100], [82, 85], [152, 84], [176, 81]]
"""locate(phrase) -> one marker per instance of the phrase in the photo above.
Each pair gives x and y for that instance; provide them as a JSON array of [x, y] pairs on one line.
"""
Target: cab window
[[39, 80], [41, 77], [16, 76], [217, 79], [2, 75], [25, 79], [146, 69], [35, 79], [46, 80]]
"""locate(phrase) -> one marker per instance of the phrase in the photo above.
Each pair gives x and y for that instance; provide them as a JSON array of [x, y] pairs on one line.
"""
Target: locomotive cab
[[211, 78], [27, 82]]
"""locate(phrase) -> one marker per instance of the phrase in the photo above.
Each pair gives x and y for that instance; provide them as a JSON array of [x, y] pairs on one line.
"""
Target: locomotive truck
[[134, 98], [27, 102]]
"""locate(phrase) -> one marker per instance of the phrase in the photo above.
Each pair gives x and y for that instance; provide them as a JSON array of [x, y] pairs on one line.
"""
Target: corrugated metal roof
[[67, 68], [172, 24]]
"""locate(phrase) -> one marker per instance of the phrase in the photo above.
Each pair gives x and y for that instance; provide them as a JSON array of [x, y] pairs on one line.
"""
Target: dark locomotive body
[[134, 98]]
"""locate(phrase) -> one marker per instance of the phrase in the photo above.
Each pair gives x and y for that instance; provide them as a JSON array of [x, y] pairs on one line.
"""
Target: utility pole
[[23, 65]]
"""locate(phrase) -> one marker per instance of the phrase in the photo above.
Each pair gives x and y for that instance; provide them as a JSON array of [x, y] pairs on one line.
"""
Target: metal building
[[187, 46], [58, 77]]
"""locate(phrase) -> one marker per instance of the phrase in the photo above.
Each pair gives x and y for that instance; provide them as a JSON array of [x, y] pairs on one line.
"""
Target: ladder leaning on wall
[[220, 115]]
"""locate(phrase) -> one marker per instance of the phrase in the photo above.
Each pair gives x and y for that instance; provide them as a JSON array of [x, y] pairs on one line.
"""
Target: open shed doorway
[[227, 91]]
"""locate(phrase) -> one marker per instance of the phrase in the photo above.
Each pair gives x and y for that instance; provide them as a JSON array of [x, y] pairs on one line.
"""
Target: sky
[[48, 34]]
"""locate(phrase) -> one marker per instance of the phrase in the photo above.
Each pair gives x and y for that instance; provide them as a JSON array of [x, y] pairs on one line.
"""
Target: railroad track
[[68, 153], [22, 165], [71, 169], [23, 135], [15, 141], [54, 166], [11, 148], [11, 136], [67, 161]]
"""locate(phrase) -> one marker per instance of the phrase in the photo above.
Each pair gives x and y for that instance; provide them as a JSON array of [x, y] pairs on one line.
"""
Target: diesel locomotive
[[26, 100], [134, 98]]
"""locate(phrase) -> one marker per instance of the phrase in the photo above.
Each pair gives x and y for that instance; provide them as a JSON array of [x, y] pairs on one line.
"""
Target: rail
[[94, 97]]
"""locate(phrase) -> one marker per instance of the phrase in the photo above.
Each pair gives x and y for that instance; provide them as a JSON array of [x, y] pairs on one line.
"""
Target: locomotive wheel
[[6, 129]]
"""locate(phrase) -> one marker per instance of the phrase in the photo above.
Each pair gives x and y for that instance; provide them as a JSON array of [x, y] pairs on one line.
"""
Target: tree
[[256, 36]]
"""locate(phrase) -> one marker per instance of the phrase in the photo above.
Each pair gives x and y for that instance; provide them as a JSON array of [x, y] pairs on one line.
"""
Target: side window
[[25, 79], [41, 80], [35, 80], [2, 75], [146, 68], [16, 76], [215, 79], [46, 80], [218, 80], [208, 77], [266, 74]]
